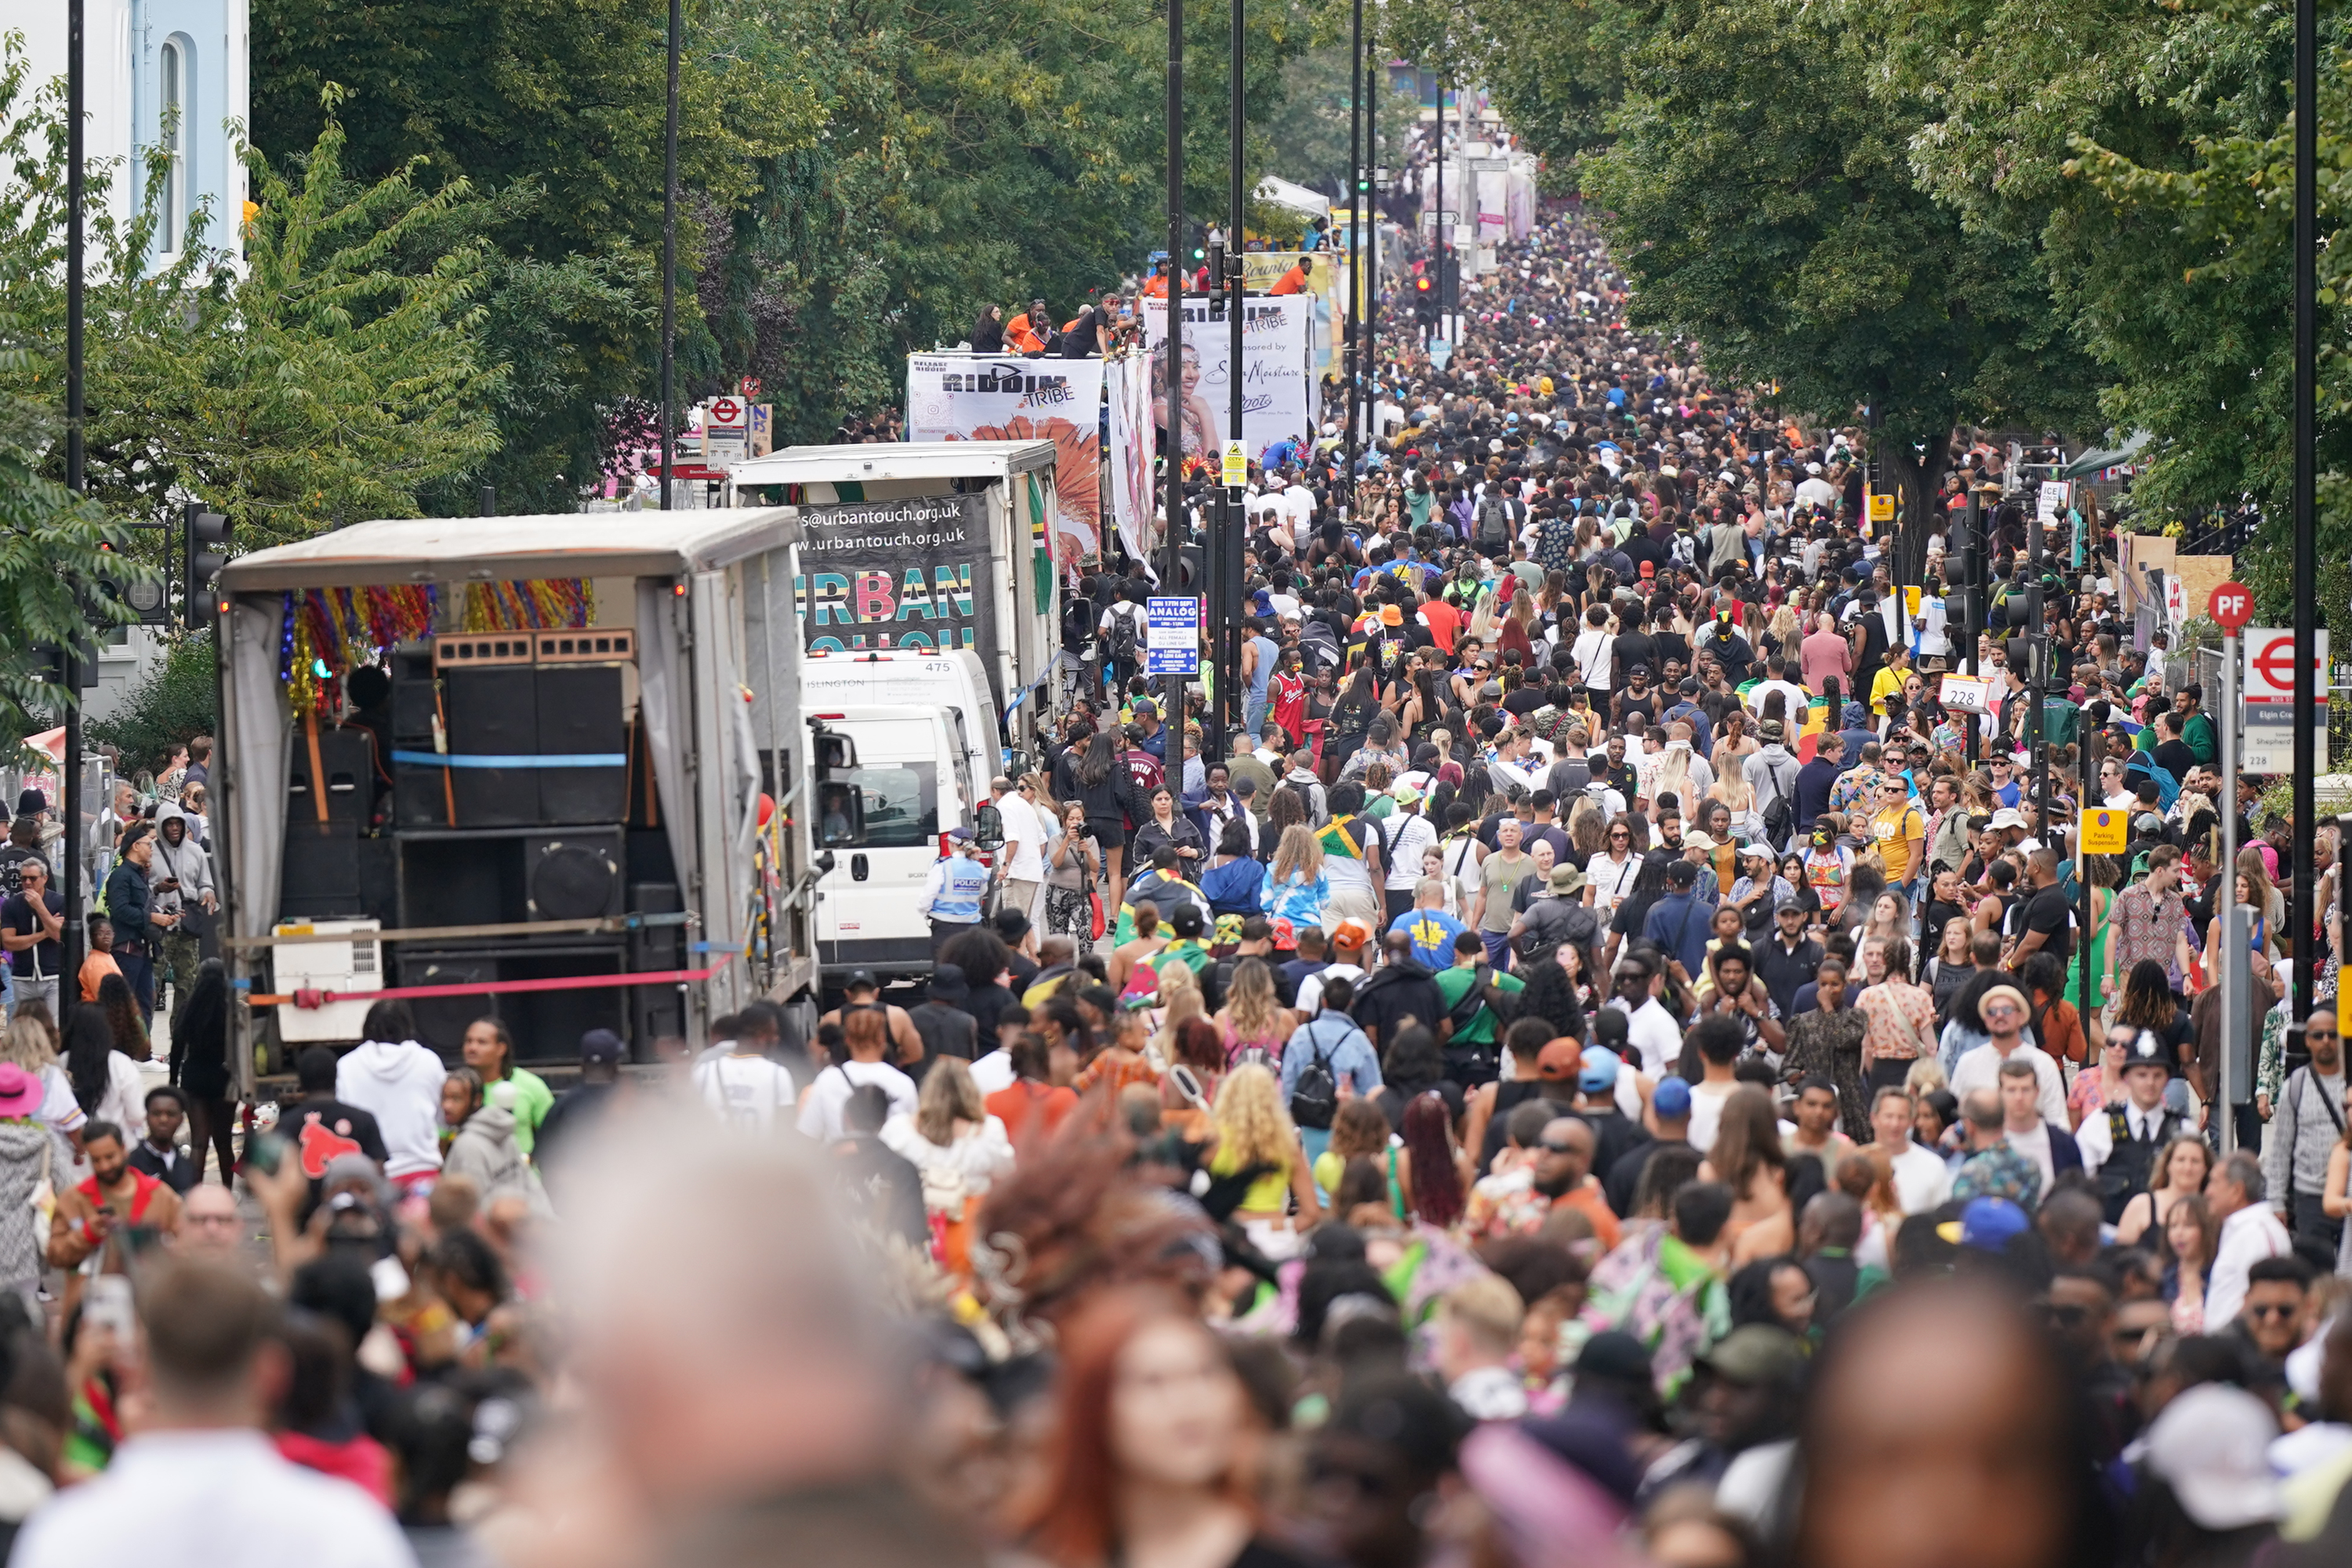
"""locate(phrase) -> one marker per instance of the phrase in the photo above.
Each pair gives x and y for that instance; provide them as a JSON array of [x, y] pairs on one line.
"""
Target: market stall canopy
[[512, 549], [1275, 190], [2092, 462]]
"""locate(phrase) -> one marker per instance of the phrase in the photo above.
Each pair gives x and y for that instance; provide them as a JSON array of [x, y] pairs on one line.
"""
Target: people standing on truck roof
[[953, 896]]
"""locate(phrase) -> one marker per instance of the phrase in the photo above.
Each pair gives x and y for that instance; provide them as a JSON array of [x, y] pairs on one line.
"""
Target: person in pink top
[[1823, 654]]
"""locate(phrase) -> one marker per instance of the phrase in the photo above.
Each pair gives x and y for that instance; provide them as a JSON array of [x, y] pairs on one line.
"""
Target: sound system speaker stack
[[509, 807]]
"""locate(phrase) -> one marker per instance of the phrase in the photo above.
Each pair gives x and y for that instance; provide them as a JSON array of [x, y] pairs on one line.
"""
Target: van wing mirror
[[988, 830], [833, 752]]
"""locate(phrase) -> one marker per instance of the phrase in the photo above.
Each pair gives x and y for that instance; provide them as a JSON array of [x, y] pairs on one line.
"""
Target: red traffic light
[[1422, 284]]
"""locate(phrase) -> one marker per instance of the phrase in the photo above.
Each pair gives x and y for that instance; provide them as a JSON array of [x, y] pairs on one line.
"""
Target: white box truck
[[536, 819]]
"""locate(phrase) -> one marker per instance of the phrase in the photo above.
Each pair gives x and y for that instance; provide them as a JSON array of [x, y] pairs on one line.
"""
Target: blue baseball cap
[[1672, 1099], [1599, 1070], [1987, 1224]]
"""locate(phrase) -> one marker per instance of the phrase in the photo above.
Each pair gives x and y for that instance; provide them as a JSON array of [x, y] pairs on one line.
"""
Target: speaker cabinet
[[546, 1025], [656, 1011], [572, 876], [347, 759], [320, 877], [493, 713], [579, 713]]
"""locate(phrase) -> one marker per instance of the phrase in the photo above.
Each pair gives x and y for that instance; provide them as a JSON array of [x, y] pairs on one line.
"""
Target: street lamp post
[[1171, 547], [1351, 364], [2307, 561], [68, 803], [669, 263]]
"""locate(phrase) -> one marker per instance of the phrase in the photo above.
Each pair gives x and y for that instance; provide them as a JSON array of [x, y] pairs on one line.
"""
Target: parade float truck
[[553, 770], [929, 606]]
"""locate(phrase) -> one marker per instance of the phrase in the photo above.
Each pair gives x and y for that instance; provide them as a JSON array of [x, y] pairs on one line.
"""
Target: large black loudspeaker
[[572, 876], [493, 713], [319, 878], [508, 878], [546, 1025], [655, 1011], [579, 715], [347, 758]]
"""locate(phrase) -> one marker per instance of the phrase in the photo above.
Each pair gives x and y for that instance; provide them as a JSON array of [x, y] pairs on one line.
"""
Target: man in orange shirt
[[1294, 281], [1563, 1172], [1025, 334]]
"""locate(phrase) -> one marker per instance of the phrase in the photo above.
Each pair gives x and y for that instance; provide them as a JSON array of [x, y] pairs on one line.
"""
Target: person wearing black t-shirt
[[2172, 752], [2044, 921], [1635, 648]]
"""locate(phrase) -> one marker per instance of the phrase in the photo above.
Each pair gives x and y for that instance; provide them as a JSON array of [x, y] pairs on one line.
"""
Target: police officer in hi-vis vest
[[2122, 1142], [958, 887]]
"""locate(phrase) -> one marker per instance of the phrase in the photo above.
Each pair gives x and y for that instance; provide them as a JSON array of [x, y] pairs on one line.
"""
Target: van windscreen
[[902, 804]]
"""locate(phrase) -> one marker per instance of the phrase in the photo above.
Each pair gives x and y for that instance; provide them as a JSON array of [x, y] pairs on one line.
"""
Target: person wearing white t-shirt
[[199, 1478], [1650, 1028], [1922, 1180], [1023, 858], [747, 1088], [868, 1035]]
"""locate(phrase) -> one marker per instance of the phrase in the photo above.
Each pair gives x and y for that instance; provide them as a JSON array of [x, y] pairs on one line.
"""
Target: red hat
[[1560, 1060]]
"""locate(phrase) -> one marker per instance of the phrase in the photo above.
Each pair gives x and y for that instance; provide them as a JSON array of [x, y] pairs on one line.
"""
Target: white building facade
[[170, 74]]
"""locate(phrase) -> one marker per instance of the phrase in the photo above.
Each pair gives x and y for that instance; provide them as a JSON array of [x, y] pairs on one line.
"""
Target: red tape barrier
[[310, 998]]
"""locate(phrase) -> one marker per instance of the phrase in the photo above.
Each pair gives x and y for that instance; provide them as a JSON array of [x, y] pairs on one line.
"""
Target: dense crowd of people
[[1579, 1059]]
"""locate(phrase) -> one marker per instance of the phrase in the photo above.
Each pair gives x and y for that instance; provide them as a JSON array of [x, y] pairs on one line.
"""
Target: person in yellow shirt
[[1900, 830], [1892, 674]]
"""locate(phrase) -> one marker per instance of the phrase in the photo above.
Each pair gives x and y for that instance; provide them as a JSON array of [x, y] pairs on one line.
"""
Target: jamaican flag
[[1336, 839]]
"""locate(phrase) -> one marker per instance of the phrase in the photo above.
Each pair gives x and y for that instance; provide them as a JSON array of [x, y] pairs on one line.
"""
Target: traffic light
[[1424, 299], [204, 551], [142, 592], [1449, 286]]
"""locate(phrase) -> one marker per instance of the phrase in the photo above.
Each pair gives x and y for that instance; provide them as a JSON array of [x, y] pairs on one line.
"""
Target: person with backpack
[[1121, 628], [1772, 772], [1326, 1059], [1480, 1003]]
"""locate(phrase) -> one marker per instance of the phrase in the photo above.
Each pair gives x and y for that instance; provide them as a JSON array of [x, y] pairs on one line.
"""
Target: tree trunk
[[1922, 483]]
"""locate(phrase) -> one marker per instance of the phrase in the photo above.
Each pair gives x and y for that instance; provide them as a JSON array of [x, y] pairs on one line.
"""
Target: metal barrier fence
[[2339, 695]]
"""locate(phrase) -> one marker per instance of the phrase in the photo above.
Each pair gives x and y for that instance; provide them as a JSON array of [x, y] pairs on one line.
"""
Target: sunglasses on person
[[1548, 1147], [2273, 1310]]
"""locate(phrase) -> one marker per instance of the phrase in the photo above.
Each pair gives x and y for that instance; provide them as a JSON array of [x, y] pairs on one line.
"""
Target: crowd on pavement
[[1594, 1064]]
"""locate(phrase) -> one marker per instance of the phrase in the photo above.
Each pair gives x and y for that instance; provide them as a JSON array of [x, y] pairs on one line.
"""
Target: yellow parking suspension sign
[[2104, 832]]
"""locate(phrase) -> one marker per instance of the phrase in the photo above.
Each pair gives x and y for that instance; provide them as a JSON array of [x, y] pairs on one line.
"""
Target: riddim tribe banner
[[898, 575]]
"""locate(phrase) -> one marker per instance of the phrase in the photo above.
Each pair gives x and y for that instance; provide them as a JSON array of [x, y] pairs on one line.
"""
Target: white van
[[914, 780], [952, 678]]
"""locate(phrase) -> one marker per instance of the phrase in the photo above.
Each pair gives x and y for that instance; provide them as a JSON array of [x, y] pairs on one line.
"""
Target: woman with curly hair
[[1255, 1141]]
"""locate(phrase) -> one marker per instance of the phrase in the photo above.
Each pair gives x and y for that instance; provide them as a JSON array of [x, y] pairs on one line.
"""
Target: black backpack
[[1122, 636], [1315, 1100], [1781, 815]]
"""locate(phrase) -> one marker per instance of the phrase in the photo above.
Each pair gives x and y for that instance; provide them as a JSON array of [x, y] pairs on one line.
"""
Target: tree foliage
[[330, 378], [1762, 200], [172, 704], [2146, 152]]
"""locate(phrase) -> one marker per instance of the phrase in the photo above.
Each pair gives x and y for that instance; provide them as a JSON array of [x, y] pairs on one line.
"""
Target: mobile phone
[[265, 1152], [106, 1305]]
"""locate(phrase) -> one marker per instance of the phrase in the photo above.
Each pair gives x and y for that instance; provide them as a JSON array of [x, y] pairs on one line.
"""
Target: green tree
[[1308, 138], [553, 110], [172, 704], [2146, 151], [327, 375], [1761, 200], [1558, 72]]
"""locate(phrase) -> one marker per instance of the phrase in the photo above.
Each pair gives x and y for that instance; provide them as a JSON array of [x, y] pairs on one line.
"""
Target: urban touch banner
[[898, 575], [990, 397]]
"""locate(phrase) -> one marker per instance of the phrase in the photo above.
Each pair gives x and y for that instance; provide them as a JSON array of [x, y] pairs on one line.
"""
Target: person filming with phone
[[117, 1200]]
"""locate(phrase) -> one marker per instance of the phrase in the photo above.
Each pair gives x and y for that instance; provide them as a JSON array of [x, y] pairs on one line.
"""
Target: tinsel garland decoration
[[542, 603], [328, 632]]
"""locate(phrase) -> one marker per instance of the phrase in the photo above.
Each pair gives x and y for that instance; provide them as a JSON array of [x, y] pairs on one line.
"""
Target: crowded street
[[1557, 965]]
